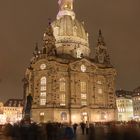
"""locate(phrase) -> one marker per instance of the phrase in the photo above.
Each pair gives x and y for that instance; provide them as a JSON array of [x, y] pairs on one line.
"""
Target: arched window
[[62, 84], [62, 99], [41, 115], [62, 88], [83, 93], [83, 86], [100, 85], [79, 52], [103, 116], [43, 82], [63, 116]]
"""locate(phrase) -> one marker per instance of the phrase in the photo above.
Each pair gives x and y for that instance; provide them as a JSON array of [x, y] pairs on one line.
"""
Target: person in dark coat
[[69, 134], [75, 127], [83, 127]]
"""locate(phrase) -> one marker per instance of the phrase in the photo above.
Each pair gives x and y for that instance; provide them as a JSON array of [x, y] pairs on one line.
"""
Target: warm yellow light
[[66, 6]]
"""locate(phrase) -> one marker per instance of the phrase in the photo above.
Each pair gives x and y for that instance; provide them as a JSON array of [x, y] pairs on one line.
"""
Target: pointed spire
[[49, 21], [48, 35], [100, 38], [49, 47], [36, 47], [101, 53], [36, 50]]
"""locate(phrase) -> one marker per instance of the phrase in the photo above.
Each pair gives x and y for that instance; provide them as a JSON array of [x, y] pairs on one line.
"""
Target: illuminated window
[[43, 81], [62, 84], [103, 115], [83, 96], [43, 94], [99, 82], [62, 100], [43, 90], [66, 6], [43, 87], [83, 102], [83, 86], [100, 91], [42, 114], [84, 113], [42, 101], [63, 116], [79, 53]]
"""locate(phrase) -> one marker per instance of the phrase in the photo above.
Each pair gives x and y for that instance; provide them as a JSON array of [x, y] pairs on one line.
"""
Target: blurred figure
[[91, 132], [75, 127], [69, 134], [82, 124], [87, 127]]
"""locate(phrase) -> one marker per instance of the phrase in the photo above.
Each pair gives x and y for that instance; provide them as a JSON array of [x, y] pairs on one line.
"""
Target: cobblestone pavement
[[80, 136], [1, 136]]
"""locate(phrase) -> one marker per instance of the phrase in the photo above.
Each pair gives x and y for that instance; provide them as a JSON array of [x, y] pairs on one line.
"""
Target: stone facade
[[124, 105], [136, 103], [11, 111], [65, 83]]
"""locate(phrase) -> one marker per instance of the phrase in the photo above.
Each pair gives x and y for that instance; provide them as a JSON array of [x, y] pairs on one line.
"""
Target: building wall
[[99, 91], [125, 109], [136, 106], [77, 115]]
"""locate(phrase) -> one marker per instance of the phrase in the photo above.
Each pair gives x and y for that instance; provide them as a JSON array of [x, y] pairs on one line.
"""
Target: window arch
[[43, 82], [62, 84], [63, 116], [83, 85], [62, 88], [79, 52]]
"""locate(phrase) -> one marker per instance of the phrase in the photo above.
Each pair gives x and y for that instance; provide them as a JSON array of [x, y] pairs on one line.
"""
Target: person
[[87, 127], [68, 134], [75, 127], [82, 127]]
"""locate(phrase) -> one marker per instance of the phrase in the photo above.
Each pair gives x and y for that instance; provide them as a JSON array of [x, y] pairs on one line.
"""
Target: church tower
[[67, 85]]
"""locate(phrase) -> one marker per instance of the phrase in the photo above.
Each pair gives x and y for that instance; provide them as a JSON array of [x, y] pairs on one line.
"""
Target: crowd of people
[[25, 130]]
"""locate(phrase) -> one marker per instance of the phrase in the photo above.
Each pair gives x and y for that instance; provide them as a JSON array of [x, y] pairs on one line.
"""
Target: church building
[[65, 83]]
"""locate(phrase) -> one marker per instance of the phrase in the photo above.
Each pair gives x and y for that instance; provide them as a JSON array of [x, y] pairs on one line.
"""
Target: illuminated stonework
[[76, 88], [136, 103], [11, 111], [125, 109]]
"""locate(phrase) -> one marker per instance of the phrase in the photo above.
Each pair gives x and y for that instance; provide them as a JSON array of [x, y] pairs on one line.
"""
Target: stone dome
[[70, 35], [70, 32], [66, 26]]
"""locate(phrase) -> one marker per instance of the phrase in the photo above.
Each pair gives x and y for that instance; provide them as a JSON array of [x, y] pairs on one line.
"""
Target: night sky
[[23, 22]]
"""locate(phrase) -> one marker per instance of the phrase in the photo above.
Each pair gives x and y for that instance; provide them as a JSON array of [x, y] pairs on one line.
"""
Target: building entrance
[[42, 117], [84, 116]]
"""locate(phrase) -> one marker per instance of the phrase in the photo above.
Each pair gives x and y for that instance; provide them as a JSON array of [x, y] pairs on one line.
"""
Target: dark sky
[[23, 22]]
